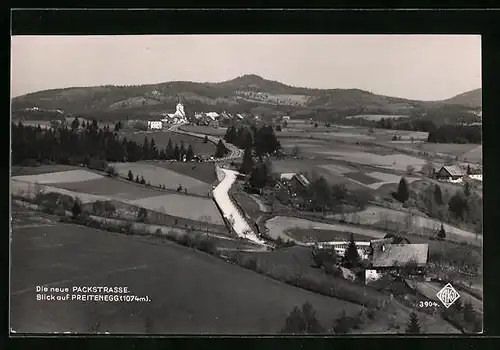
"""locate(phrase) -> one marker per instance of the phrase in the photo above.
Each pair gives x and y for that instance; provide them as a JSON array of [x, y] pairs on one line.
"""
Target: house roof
[[302, 179], [287, 176], [400, 254], [212, 115], [453, 170]]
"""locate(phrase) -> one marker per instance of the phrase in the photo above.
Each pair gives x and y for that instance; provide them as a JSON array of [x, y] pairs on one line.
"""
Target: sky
[[422, 67]]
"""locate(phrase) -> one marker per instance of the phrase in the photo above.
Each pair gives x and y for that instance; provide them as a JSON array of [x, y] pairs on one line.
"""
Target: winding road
[[221, 193], [231, 212], [234, 152]]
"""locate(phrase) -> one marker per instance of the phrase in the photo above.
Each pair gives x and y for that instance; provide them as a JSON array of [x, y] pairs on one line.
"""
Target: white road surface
[[221, 196]]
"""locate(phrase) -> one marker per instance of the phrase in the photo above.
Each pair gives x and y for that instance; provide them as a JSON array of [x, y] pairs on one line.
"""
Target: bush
[[111, 171], [250, 264], [98, 164], [344, 323], [370, 313], [303, 321], [206, 245], [186, 240], [76, 210], [142, 215]]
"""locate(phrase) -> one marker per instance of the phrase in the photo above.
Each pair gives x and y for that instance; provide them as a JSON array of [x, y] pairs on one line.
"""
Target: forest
[[85, 143]]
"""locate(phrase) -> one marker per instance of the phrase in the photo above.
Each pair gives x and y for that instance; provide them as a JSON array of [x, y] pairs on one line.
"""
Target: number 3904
[[427, 304]]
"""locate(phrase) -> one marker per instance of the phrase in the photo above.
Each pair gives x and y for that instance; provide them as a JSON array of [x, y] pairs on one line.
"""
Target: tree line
[[74, 145], [463, 207], [305, 321], [262, 140], [456, 134]]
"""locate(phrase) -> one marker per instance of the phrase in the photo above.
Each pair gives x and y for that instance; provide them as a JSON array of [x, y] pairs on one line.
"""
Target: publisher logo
[[448, 295]]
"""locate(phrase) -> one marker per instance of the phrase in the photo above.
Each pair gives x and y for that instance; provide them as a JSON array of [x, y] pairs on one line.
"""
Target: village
[[292, 210]]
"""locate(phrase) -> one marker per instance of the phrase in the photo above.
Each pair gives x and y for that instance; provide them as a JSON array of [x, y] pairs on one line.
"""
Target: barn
[[451, 172]]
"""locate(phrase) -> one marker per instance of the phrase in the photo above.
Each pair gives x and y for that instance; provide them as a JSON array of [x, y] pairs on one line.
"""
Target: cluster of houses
[[457, 174], [214, 118], [199, 118], [384, 256]]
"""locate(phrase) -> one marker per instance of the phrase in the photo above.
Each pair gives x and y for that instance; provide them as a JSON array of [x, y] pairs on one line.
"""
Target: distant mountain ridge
[[473, 98], [248, 93]]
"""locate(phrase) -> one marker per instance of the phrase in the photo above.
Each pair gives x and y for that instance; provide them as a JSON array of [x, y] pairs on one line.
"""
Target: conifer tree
[[189, 153], [413, 325], [468, 312], [438, 197], [441, 234], [177, 152], [402, 194], [169, 150], [352, 257], [247, 163]]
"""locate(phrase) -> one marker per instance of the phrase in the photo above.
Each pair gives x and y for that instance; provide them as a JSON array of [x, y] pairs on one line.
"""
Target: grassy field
[[157, 175], [386, 178], [161, 140], [391, 162], [207, 130], [109, 187], [194, 208], [201, 171], [452, 149], [361, 177], [475, 155], [385, 219], [17, 170], [248, 204], [279, 225], [188, 290], [69, 176], [314, 235], [106, 188], [376, 117]]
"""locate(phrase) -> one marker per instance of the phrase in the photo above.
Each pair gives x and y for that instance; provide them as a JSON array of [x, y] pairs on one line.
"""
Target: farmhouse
[[155, 125], [392, 257], [448, 173], [299, 180]]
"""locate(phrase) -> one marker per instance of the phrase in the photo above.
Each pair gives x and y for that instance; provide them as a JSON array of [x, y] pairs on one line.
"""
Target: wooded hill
[[248, 93]]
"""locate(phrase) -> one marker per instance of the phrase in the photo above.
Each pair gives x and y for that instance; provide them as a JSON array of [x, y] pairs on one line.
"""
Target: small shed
[[451, 172]]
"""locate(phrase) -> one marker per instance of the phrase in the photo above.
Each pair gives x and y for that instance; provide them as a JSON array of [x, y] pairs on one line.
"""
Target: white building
[[155, 125], [212, 115], [175, 118], [340, 247], [478, 177]]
